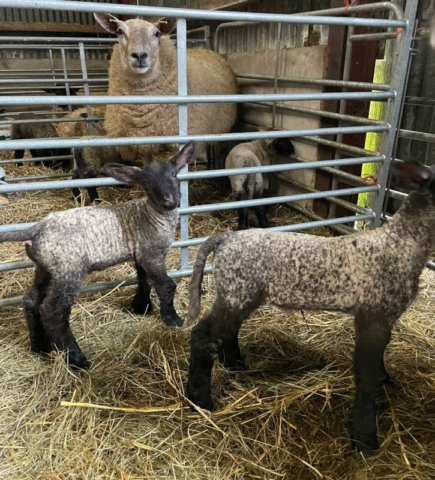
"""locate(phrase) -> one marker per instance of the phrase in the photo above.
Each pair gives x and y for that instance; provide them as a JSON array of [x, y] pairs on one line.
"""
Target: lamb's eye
[[157, 33], [119, 31], [174, 174]]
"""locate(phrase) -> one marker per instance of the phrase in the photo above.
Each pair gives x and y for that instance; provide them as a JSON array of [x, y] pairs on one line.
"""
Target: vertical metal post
[[401, 59], [182, 130], [343, 104], [65, 74], [277, 69], [207, 37], [85, 83]]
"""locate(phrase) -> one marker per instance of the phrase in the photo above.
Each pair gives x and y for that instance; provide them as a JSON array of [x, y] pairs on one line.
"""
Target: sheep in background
[[145, 63], [88, 162], [79, 128], [66, 245], [21, 131], [372, 275], [61, 91], [248, 187]]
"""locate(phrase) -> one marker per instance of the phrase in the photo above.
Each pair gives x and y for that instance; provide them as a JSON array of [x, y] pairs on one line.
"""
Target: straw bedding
[[127, 417]]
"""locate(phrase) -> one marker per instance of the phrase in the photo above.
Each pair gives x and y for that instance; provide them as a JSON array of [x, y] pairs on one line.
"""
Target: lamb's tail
[[206, 248], [18, 236]]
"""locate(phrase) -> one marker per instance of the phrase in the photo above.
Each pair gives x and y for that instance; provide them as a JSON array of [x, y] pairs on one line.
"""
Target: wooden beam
[[50, 27]]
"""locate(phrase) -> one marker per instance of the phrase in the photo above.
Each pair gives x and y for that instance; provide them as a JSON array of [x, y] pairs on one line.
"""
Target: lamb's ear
[[183, 157], [124, 173], [411, 175], [108, 22], [166, 25]]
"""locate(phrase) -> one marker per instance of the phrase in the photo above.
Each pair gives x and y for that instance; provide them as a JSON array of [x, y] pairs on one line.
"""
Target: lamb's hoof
[[238, 366], [78, 361], [173, 321], [363, 441], [141, 306], [202, 401]]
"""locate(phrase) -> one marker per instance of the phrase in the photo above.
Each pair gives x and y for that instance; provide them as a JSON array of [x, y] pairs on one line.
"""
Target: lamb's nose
[[140, 56]]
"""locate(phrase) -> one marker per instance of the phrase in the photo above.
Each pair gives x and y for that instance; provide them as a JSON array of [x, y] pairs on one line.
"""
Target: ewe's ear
[[124, 173], [183, 157], [166, 25], [411, 175], [108, 22]]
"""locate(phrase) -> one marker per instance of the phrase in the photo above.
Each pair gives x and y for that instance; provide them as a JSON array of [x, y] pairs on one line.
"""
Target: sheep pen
[[127, 417]]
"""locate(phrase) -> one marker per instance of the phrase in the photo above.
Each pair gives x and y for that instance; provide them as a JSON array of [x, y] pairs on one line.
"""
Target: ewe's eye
[[157, 33], [119, 31]]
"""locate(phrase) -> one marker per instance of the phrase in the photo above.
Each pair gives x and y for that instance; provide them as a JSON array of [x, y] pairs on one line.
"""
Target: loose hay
[[127, 418]]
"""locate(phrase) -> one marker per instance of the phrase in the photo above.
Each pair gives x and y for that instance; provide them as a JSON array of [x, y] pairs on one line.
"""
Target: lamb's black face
[[159, 179], [283, 146], [162, 185]]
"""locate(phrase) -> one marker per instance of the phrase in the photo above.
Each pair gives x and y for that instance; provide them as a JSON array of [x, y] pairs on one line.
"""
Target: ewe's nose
[[140, 56]]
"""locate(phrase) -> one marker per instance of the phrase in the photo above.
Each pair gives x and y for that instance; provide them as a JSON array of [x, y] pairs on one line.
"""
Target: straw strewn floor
[[127, 418]]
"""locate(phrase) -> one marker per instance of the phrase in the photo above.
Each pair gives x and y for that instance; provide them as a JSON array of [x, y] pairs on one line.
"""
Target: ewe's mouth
[[139, 67]]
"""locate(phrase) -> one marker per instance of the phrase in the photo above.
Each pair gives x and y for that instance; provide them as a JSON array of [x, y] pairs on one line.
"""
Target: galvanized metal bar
[[173, 99], [104, 141], [108, 181], [182, 130], [43, 81], [65, 5], [319, 81], [343, 104], [38, 177], [85, 83], [277, 69], [8, 266], [426, 137], [322, 113], [39, 159], [370, 37], [65, 75], [30, 39]]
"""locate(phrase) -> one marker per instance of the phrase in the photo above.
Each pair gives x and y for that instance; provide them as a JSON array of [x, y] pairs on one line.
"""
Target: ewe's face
[[139, 44], [138, 41]]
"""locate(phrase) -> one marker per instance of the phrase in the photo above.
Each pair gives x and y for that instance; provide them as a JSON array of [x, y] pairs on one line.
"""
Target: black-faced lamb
[[21, 131], [145, 63], [372, 275], [88, 162], [62, 91], [66, 245], [248, 187]]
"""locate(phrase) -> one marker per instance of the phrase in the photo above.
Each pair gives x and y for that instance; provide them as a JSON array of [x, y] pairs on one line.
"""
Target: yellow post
[[374, 140]]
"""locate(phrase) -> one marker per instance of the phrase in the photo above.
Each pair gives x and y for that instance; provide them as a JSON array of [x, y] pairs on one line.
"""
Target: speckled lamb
[[66, 245], [88, 161], [248, 187], [21, 131], [372, 275]]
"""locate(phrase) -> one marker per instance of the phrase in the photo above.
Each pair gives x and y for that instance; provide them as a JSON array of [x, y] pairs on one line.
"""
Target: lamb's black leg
[[372, 336], [165, 288], [260, 212], [229, 352], [92, 191], [141, 302], [55, 312], [18, 154], [204, 347], [215, 336], [39, 339], [243, 212], [77, 195]]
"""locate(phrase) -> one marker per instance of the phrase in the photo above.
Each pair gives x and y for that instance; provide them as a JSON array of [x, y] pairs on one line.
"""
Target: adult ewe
[[145, 63]]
